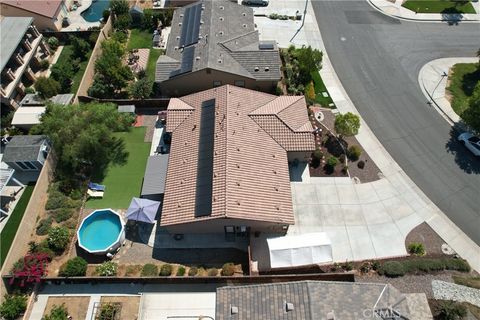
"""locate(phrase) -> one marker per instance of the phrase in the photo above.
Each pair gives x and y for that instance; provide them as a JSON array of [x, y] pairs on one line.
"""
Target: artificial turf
[[125, 181]]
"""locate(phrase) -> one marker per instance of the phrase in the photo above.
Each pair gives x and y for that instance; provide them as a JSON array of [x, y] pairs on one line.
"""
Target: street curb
[[419, 20]]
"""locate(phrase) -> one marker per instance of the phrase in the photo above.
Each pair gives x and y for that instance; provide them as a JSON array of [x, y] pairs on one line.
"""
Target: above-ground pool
[[95, 12], [101, 232]]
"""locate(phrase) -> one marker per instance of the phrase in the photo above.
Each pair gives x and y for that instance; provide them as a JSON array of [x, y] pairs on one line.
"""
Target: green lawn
[[439, 6], [152, 62], [66, 57], [10, 228], [125, 181], [319, 88], [143, 39], [462, 81]]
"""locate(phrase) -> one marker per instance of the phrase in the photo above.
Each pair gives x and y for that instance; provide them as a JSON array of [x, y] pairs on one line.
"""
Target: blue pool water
[[95, 12], [100, 230]]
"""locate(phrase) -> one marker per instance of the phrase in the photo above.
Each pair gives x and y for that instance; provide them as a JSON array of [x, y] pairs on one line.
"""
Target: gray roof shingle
[[155, 175], [23, 148]]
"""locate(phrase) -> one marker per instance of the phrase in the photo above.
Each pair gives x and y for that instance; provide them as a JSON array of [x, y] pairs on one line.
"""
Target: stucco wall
[[41, 22]]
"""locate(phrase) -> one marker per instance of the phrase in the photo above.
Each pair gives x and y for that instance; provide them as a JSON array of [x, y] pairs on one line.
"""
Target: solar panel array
[[191, 25], [204, 187], [187, 62]]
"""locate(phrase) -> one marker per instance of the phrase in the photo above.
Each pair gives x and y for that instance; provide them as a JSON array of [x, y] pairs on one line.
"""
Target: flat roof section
[[155, 175]]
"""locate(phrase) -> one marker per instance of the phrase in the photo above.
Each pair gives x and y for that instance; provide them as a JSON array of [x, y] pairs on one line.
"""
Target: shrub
[[423, 265], [347, 124], [354, 153], [376, 265], [332, 161], [131, 270], [273, 16], [76, 194], [345, 170], [166, 270], [13, 306], [47, 87], [180, 271], [76, 267], [317, 157], [278, 90], [310, 92], [416, 248], [58, 238], [105, 15], [365, 267], [122, 22], [228, 269], [107, 269], [29, 90], [108, 311], [53, 43], [57, 313], [41, 248], [44, 226], [141, 89], [62, 214], [347, 266], [192, 272], [456, 264], [80, 47], [361, 164], [393, 269], [44, 64], [335, 267], [449, 310], [212, 272], [149, 270]]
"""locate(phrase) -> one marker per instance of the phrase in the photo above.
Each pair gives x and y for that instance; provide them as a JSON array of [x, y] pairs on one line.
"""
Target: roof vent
[[267, 69], [180, 24], [288, 305], [233, 309], [257, 69], [222, 7], [201, 21], [238, 149], [238, 166], [177, 37], [276, 189], [238, 184], [331, 315], [221, 19], [176, 48], [219, 60], [238, 202], [244, 14], [197, 58], [221, 33], [181, 15], [274, 171], [244, 25]]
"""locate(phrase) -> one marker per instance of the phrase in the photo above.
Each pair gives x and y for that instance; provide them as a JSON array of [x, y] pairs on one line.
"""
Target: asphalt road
[[377, 59]]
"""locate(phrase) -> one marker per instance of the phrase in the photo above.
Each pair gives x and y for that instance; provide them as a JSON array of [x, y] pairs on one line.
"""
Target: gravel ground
[[449, 291]]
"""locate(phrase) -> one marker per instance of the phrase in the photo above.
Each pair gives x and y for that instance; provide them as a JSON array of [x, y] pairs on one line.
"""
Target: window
[[217, 84], [21, 165], [30, 165], [240, 83], [209, 71]]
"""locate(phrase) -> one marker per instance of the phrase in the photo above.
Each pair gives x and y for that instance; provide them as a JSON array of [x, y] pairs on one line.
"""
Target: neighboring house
[[22, 49], [47, 15], [315, 300], [213, 43], [32, 107], [229, 160], [26, 153]]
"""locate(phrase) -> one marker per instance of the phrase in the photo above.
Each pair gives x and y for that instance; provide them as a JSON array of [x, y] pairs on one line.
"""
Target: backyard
[[462, 80], [439, 6], [125, 181], [140, 39], [66, 57], [10, 229]]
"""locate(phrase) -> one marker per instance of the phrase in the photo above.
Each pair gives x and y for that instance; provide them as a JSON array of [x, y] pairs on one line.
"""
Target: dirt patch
[[430, 239], [129, 310], [76, 306]]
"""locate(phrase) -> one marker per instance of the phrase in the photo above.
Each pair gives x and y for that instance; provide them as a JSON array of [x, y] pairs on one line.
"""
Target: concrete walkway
[[433, 81], [369, 220], [396, 10]]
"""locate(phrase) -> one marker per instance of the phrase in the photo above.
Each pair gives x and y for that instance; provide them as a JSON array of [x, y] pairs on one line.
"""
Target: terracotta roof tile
[[47, 8]]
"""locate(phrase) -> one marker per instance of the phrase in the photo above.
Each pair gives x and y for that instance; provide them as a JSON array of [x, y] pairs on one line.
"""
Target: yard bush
[[332, 161], [365, 267], [57, 313], [149, 270], [192, 272], [347, 124], [44, 226], [76, 267], [166, 270], [228, 269], [107, 269], [62, 214], [47, 87], [180, 271], [361, 164], [53, 43], [449, 310], [347, 266], [108, 311], [80, 47], [44, 64], [354, 153], [213, 272], [122, 22], [457, 264], [141, 89], [310, 93], [41, 248], [13, 306], [423, 265], [317, 157], [58, 238], [393, 269], [416, 248]]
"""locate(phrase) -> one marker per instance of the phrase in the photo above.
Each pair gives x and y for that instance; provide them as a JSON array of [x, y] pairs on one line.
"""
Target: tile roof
[[226, 41], [48, 8], [23, 148], [311, 300], [246, 157]]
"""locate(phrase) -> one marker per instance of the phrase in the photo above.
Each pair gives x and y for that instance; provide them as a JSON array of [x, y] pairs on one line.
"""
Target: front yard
[[439, 6], [462, 80], [125, 181]]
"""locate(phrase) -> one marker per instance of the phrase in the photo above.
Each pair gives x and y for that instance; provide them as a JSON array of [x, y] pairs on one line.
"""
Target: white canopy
[[301, 250], [142, 210]]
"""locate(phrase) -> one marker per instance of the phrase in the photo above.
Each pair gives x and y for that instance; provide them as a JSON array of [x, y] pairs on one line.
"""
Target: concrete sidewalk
[[396, 200], [433, 81], [395, 9]]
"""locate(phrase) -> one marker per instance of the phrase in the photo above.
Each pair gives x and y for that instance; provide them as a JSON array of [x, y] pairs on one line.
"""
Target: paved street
[[378, 58]]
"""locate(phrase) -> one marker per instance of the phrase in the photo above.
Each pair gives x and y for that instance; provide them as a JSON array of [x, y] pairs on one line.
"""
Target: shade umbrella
[[142, 210]]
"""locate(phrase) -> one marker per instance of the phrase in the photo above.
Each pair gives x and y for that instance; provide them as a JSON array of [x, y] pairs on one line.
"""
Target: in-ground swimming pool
[[101, 232], [95, 12]]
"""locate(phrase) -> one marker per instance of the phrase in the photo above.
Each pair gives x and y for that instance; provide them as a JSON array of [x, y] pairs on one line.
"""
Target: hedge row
[[400, 268]]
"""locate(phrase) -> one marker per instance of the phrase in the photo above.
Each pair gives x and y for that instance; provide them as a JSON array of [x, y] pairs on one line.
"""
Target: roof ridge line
[[237, 37], [226, 149]]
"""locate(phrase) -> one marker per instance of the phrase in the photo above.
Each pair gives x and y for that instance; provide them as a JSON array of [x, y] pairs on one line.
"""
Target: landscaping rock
[[449, 291]]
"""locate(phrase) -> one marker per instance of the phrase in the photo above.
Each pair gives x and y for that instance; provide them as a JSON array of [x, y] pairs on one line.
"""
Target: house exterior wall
[[40, 21], [202, 80], [299, 155], [218, 226]]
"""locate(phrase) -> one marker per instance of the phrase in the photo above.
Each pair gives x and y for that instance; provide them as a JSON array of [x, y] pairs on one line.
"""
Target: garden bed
[[128, 305], [77, 306]]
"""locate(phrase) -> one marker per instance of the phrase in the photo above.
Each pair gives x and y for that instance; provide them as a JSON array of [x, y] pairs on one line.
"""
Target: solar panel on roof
[[191, 25], [187, 59], [266, 45], [204, 187]]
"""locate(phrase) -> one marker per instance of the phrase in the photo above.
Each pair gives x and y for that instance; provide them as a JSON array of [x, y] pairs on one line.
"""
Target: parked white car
[[471, 142]]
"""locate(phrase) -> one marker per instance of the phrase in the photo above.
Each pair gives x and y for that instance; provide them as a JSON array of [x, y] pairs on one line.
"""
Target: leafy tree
[[450, 310], [100, 89], [63, 73], [471, 115], [141, 89], [119, 7], [80, 47], [82, 136], [13, 306], [308, 59], [53, 43], [310, 92], [74, 267], [47, 87], [122, 22], [58, 238], [347, 124], [57, 313]]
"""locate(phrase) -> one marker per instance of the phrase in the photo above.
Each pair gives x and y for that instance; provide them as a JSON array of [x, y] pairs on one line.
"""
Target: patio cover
[[142, 210], [301, 250]]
